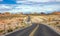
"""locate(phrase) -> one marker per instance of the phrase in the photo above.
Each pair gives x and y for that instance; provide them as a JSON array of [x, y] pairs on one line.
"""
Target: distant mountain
[[57, 13]]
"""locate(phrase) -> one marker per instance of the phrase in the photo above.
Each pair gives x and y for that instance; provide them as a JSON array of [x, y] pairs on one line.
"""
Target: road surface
[[43, 30], [35, 30], [23, 32]]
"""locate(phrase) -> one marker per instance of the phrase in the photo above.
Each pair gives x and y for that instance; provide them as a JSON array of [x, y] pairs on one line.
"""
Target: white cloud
[[20, 1], [43, 0], [4, 6], [40, 0], [27, 8], [35, 1], [57, 0], [1, 0]]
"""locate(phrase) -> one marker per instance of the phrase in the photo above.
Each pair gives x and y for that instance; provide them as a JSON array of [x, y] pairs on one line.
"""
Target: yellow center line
[[32, 33]]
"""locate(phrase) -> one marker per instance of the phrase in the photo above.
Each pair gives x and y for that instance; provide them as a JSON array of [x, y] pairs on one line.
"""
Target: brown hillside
[[58, 13]]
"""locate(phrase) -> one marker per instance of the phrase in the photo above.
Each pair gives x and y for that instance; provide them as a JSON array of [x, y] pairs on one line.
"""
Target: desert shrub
[[58, 27], [17, 27], [10, 30], [57, 22], [1, 30]]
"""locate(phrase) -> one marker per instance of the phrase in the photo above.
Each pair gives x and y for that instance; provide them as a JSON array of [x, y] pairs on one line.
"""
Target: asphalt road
[[23, 32], [41, 31]]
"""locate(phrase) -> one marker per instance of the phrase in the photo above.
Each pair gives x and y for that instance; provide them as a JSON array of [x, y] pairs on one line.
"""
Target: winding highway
[[35, 30]]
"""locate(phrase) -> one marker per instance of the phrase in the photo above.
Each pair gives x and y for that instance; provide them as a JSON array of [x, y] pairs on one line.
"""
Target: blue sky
[[25, 6]]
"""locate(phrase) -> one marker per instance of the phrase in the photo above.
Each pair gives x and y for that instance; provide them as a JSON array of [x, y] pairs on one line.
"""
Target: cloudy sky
[[32, 6]]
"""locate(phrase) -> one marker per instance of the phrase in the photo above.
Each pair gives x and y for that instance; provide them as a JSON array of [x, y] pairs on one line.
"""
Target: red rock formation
[[58, 13]]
